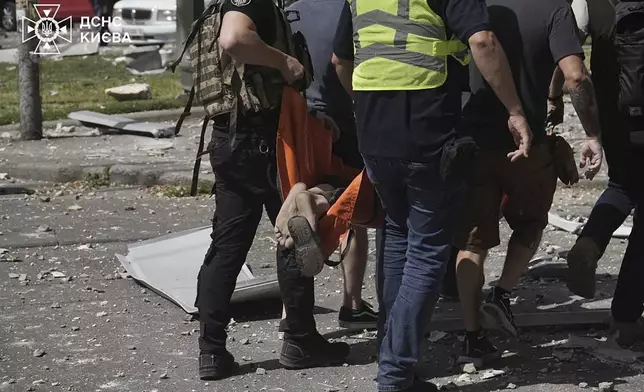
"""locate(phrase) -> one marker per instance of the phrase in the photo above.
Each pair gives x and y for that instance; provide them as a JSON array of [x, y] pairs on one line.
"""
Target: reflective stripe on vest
[[400, 45]]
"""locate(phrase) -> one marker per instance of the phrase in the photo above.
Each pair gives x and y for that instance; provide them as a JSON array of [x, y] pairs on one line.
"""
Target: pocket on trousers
[[219, 148]]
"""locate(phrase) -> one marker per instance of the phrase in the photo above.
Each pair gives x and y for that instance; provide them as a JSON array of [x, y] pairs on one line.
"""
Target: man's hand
[[291, 70], [555, 112], [329, 124], [522, 134], [592, 155]]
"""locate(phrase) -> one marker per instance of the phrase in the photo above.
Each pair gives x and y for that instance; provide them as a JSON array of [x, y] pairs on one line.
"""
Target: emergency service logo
[[47, 29]]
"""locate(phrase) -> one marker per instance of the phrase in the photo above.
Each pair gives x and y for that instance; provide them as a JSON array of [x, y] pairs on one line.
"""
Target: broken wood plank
[[123, 123], [533, 319], [623, 231]]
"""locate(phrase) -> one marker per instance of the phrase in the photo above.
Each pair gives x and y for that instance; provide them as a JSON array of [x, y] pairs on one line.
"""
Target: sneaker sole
[[499, 316], [308, 253], [479, 362], [291, 363], [582, 266], [210, 377], [358, 324]]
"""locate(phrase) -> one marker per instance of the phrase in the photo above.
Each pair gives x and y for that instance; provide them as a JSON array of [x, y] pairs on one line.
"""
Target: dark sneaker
[[365, 318], [582, 265], [497, 307], [216, 367], [478, 351], [627, 334], [312, 352], [308, 253]]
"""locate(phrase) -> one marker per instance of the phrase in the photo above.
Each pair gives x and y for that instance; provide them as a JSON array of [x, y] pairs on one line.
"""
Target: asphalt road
[[91, 330]]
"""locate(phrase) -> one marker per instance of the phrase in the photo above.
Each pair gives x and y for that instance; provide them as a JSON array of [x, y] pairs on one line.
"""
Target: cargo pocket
[[219, 147]]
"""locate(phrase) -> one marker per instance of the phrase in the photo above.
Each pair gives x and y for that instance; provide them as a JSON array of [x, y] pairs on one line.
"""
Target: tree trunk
[[29, 90]]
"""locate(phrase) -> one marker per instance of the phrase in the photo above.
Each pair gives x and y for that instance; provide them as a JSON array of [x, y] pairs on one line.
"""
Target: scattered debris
[[45, 199], [435, 336], [123, 123], [55, 305], [606, 387], [464, 379], [492, 373], [13, 276], [57, 274], [4, 176], [583, 385], [101, 314], [511, 386], [164, 376], [149, 63], [39, 353], [261, 371], [44, 229], [75, 207], [469, 368], [244, 341]]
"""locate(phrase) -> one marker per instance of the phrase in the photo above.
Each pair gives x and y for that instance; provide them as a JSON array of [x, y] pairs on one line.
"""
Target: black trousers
[[625, 192], [245, 184]]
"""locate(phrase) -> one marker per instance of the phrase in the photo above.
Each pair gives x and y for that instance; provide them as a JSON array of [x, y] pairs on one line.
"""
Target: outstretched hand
[[522, 134], [592, 156]]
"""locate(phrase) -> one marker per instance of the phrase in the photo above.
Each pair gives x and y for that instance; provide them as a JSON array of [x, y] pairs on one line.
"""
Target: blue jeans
[[417, 242]]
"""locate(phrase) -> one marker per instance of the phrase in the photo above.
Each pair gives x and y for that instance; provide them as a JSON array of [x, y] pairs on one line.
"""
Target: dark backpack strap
[[200, 153], [196, 27], [186, 111]]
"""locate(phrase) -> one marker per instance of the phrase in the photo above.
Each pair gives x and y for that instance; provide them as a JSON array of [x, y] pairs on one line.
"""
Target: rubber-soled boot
[[311, 352]]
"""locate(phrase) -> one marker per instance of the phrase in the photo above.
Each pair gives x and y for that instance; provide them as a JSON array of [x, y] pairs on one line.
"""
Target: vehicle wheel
[[9, 22]]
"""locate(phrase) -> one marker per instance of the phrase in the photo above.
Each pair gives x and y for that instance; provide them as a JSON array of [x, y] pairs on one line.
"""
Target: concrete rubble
[[130, 92]]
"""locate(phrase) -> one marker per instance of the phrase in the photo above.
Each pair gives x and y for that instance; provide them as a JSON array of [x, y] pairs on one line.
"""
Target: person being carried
[[296, 225]]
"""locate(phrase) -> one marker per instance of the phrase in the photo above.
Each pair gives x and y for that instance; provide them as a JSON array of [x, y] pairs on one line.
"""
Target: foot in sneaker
[[627, 334], [311, 352], [308, 254], [478, 350], [364, 318], [214, 367], [497, 306], [582, 265]]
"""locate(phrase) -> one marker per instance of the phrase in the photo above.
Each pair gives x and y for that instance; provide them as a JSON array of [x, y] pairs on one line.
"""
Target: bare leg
[[470, 279], [516, 262], [353, 268]]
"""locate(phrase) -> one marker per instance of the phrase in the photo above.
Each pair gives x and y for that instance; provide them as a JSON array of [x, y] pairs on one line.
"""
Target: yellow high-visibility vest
[[401, 45]]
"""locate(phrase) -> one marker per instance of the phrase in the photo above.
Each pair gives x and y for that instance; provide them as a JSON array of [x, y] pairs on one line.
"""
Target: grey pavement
[[141, 160], [129, 159], [92, 330]]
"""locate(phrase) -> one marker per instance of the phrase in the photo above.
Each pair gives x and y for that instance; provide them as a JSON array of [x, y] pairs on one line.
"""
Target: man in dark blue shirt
[[331, 103], [406, 136]]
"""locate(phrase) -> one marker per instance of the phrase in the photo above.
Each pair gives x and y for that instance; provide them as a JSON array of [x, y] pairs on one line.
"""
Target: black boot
[[311, 351], [216, 366], [215, 362]]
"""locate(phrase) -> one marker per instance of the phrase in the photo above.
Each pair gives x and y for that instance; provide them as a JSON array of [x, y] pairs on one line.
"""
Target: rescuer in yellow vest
[[402, 60]]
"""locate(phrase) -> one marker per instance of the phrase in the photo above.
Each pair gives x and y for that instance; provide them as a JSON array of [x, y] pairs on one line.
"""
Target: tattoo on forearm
[[585, 103]]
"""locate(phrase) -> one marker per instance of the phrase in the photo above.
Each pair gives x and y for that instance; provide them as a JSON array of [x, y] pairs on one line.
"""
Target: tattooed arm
[[582, 95]]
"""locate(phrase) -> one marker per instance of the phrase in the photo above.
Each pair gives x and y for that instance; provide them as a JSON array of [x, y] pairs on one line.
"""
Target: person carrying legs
[[536, 37]]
